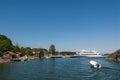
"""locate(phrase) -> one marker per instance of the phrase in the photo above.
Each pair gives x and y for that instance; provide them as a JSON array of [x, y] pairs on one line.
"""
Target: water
[[60, 69]]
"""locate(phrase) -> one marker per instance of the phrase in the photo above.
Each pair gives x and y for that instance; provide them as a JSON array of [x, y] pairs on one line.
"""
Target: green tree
[[5, 44], [22, 50], [41, 50], [16, 48], [52, 49], [28, 51], [1, 54]]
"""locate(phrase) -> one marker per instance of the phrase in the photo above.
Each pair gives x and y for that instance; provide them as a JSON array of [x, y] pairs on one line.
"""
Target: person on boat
[[97, 65]]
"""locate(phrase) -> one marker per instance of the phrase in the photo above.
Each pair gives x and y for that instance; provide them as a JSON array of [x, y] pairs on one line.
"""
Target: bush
[[1, 54]]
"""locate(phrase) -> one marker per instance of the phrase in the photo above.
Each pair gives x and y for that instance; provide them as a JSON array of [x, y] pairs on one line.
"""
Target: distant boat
[[95, 64], [89, 53], [24, 58]]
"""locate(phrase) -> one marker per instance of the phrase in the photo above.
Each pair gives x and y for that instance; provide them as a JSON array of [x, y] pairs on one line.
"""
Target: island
[[11, 52]]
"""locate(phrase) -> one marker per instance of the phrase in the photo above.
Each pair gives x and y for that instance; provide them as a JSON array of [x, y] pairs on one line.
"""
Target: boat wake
[[110, 69]]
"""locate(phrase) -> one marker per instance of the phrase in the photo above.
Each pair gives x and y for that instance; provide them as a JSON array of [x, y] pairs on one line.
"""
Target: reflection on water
[[60, 69]]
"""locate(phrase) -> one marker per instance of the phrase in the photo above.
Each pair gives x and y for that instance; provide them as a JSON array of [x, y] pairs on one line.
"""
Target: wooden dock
[[16, 59]]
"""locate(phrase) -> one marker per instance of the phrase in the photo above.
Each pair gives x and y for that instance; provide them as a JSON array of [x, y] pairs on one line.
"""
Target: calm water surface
[[60, 69]]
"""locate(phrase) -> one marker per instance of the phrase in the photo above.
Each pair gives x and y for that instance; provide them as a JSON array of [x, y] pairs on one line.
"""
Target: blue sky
[[71, 25]]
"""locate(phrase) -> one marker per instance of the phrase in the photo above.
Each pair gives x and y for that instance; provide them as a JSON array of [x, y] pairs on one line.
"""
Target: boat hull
[[95, 64]]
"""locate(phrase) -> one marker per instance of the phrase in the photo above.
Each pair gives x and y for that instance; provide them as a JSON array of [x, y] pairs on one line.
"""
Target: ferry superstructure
[[89, 53]]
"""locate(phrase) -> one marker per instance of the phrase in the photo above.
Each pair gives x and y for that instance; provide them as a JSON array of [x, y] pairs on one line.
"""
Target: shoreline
[[3, 60], [8, 60], [33, 58]]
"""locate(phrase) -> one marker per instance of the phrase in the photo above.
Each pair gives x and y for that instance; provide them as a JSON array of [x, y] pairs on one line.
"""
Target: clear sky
[[71, 25]]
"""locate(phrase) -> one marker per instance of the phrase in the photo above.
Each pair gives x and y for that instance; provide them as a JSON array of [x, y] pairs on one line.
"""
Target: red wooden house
[[46, 54], [11, 55]]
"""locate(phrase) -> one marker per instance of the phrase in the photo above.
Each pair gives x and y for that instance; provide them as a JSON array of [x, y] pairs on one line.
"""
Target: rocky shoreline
[[4, 61], [115, 56], [8, 60]]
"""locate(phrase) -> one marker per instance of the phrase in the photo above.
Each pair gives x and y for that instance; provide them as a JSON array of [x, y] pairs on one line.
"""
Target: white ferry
[[88, 53]]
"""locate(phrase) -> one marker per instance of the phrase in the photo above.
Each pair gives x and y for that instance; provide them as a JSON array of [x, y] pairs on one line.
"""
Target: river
[[60, 69]]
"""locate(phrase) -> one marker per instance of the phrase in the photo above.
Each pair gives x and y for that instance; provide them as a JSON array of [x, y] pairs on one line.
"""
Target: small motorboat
[[95, 64]]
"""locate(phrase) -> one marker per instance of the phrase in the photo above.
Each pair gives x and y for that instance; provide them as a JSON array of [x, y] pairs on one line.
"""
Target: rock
[[3, 60], [115, 56]]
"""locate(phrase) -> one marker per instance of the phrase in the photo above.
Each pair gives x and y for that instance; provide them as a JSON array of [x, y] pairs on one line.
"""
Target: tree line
[[6, 45]]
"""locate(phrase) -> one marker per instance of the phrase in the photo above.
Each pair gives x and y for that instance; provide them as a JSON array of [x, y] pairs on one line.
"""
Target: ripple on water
[[60, 69]]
